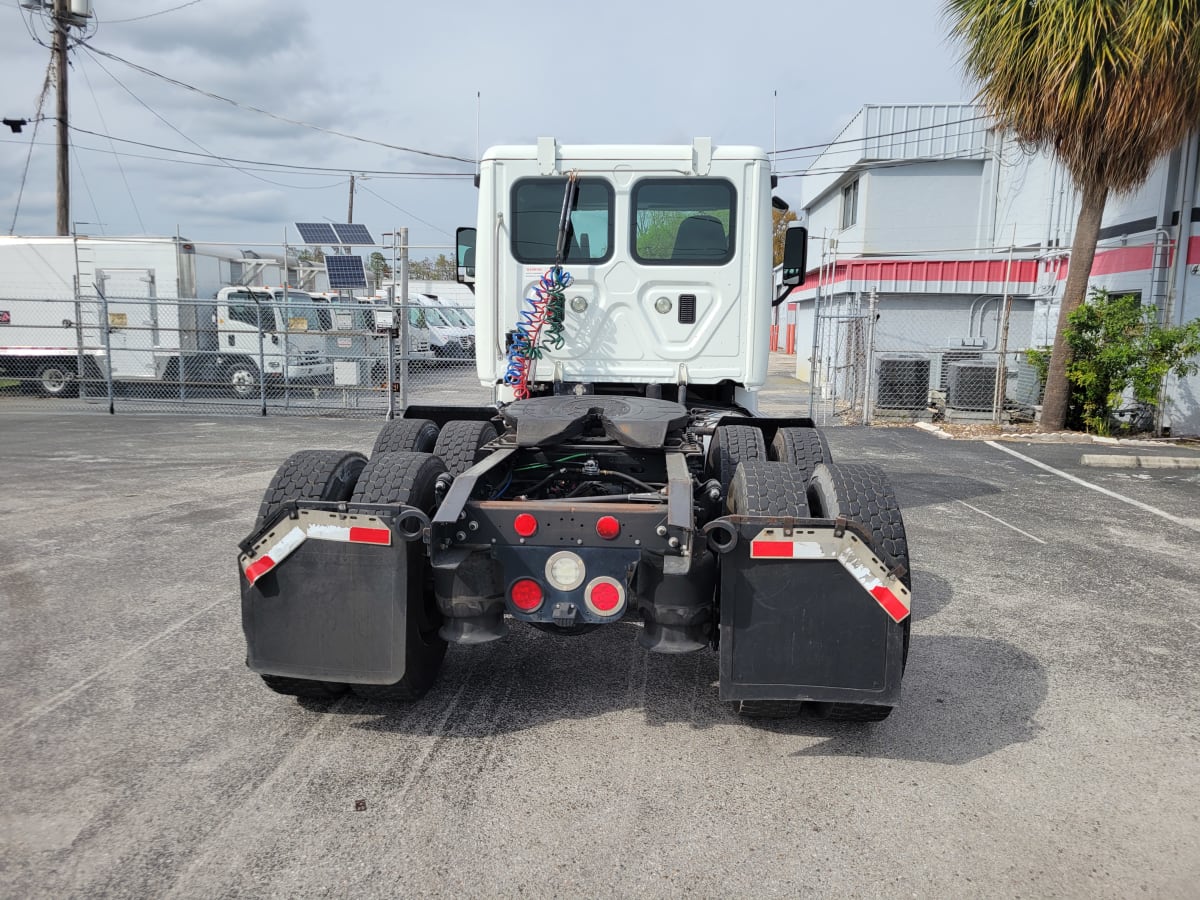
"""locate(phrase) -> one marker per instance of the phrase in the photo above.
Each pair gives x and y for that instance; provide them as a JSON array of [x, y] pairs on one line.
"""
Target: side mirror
[[795, 255], [465, 238]]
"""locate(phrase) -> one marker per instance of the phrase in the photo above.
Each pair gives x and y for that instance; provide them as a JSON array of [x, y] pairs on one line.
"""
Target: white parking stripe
[[1001, 521], [1153, 510]]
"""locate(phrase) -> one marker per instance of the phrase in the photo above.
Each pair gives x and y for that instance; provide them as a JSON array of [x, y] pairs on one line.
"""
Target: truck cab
[[669, 258], [279, 329]]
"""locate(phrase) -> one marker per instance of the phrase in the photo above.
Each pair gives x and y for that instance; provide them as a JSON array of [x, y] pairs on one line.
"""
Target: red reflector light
[[525, 525], [608, 527], [526, 595]]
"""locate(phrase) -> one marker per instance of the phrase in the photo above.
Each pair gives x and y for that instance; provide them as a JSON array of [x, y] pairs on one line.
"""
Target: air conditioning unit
[[949, 357], [902, 382], [971, 386], [1029, 384]]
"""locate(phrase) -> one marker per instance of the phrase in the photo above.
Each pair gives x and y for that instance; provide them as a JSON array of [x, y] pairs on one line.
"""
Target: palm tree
[[1108, 85]]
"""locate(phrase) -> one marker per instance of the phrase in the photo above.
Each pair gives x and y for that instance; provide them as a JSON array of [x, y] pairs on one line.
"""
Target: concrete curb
[[933, 429], [1118, 461], [1067, 437]]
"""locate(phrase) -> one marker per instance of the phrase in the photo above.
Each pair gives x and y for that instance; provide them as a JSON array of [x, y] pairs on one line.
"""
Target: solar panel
[[345, 272], [316, 233], [353, 233]]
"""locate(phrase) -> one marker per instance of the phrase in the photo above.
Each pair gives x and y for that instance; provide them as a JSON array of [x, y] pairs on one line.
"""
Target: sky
[[407, 74]]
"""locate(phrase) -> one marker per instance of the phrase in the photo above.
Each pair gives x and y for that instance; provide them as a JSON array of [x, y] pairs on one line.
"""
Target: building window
[[850, 204]]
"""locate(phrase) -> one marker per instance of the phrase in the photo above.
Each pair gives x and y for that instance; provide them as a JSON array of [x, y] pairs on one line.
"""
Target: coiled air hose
[[540, 326]]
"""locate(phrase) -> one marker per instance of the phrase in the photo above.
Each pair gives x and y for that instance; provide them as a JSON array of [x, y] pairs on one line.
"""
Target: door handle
[[231, 341]]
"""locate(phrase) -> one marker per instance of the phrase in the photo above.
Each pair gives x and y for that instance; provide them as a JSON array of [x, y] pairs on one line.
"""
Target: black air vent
[[687, 309]]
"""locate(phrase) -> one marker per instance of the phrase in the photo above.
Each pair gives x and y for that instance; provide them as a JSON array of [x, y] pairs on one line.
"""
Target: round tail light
[[526, 594], [525, 525], [605, 596]]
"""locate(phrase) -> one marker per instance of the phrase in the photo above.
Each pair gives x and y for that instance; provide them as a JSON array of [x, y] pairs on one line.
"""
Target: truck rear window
[[678, 221], [536, 208]]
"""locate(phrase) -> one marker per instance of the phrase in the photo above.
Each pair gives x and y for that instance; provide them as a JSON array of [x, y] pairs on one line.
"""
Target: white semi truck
[[77, 310], [623, 307]]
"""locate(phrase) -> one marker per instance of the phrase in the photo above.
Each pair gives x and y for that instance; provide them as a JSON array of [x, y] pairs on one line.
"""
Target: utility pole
[[350, 211], [61, 17]]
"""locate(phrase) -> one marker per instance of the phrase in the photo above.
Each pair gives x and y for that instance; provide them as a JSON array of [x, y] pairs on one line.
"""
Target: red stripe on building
[[985, 271]]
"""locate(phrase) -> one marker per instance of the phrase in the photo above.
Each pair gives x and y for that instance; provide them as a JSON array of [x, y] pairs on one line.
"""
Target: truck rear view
[[623, 298]]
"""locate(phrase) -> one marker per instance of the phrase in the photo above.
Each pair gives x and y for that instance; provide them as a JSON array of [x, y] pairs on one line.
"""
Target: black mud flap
[[807, 613], [324, 594]]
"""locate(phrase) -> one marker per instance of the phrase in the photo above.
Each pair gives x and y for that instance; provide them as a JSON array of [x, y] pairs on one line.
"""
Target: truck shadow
[[931, 594], [964, 697]]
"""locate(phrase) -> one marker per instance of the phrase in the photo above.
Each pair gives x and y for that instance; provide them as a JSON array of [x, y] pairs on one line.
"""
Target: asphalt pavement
[[1046, 744]]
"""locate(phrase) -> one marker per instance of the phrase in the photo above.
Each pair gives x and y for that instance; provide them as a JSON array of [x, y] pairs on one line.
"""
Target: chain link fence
[[247, 351], [908, 359]]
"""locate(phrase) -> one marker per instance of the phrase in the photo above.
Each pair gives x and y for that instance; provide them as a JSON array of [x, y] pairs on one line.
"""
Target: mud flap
[[807, 613], [324, 595]]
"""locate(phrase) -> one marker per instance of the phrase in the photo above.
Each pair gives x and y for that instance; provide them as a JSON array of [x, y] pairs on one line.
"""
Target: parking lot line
[[1001, 521], [1153, 510]]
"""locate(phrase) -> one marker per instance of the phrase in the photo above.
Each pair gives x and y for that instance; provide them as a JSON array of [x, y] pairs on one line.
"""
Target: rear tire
[[861, 493], [732, 444], [311, 475], [54, 378], [804, 448], [409, 478], [302, 687], [762, 488], [406, 435], [459, 443], [242, 379]]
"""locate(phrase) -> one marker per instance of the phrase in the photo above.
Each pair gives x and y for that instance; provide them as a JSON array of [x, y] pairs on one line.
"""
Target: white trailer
[[145, 310]]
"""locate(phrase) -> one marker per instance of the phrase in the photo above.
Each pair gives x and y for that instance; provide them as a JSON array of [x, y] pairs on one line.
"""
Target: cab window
[[243, 309], [536, 209], [683, 221]]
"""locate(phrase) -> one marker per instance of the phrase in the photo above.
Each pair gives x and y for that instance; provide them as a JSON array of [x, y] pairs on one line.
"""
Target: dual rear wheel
[[801, 480]]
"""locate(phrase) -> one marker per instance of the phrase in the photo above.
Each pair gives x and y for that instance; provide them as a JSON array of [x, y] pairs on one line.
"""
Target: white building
[[939, 218]]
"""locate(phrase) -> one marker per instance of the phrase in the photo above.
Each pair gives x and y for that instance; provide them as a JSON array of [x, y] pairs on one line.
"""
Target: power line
[[32, 140], [161, 12], [272, 115], [190, 140], [298, 168], [363, 187], [132, 202], [872, 137], [88, 188]]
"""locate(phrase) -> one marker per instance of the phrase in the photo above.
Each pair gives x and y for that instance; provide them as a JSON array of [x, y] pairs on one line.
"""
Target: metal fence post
[[179, 341], [262, 378], [104, 329], [872, 315], [404, 306]]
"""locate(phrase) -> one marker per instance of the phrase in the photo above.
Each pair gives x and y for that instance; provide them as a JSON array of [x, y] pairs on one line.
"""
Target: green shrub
[[1117, 345]]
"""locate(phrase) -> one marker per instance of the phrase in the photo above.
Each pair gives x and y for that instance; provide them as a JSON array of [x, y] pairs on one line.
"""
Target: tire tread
[[406, 435], [459, 442]]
